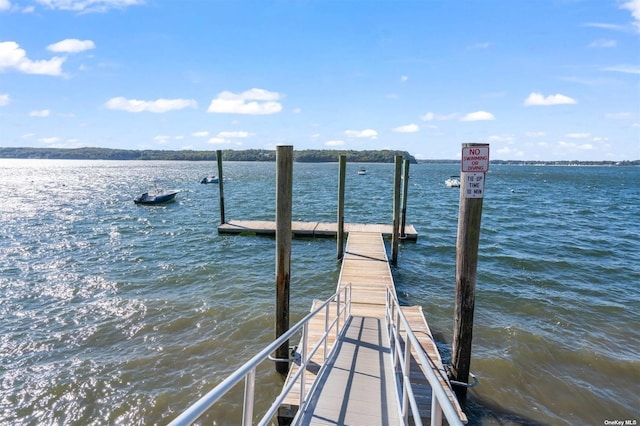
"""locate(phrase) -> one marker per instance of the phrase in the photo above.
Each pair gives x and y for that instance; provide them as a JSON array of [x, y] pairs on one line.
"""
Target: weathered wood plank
[[309, 229]]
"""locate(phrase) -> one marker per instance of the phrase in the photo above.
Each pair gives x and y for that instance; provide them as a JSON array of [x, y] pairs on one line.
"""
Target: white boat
[[160, 196], [209, 179], [362, 171], [453, 182]]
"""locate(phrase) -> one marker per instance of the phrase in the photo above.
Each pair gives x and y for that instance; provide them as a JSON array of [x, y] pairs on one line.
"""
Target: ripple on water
[[115, 313]]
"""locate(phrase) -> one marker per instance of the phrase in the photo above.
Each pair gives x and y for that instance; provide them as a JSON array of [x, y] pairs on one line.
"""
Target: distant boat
[[209, 179], [362, 171], [158, 197], [453, 182]]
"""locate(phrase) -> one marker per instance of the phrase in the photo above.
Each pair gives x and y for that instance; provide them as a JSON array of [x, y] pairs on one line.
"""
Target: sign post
[[474, 165]]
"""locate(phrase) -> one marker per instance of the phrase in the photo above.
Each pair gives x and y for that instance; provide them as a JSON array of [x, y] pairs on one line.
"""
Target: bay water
[[114, 313]]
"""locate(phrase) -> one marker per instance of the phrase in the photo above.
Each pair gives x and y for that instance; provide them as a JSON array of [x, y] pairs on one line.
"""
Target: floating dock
[[311, 229]]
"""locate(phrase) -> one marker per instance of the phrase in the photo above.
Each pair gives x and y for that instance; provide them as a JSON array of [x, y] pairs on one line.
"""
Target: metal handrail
[[440, 402], [247, 371]]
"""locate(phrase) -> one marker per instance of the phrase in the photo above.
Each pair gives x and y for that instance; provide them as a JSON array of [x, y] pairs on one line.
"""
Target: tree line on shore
[[305, 156]]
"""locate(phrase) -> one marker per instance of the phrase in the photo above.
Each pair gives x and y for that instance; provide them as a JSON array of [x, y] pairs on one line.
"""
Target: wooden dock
[[310, 229], [358, 386]]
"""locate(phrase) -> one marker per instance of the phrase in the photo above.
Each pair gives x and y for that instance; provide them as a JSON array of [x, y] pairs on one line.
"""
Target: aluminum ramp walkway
[[358, 384]]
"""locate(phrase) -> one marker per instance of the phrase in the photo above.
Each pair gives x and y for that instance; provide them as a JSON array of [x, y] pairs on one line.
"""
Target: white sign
[[473, 185], [475, 158]]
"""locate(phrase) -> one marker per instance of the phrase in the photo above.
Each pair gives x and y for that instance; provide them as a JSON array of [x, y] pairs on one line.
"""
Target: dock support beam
[[396, 210], [468, 239], [220, 186], [284, 196], [341, 182], [405, 189]]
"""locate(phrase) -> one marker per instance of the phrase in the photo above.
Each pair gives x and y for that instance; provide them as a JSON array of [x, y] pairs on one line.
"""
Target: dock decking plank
[[309, 229]]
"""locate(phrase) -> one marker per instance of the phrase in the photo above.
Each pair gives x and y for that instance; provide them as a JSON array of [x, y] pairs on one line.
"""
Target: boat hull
[[150, 199]]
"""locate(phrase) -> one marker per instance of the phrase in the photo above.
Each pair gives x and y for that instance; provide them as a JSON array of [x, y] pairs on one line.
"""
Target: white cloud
[[612, 27], [634, 7], [430, 116], [574, 146], [502, 138], [334, 143], [296, 110], [252, 102], [603, 43], [217, 140], [89, 5], [577, 135], [159, 105], [537, 99], [4, 99], [202, 134], [409, 128], [13, 57], [50, 140], [619, 116], [40, 113], [366, 133], [234, 134], [404, 78], [627, 69], [478, 116], [162, 139], [510, 151], [71, 45], [5, 5]]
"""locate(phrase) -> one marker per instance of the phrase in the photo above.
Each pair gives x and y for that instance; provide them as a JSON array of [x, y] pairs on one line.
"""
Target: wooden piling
[[284, 192], [469, 218], [220, 186], [405, 190], [341, 185], [396, 210]]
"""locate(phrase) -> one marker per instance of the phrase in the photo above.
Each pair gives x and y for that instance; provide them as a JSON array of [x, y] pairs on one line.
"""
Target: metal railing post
[[338, 315], [326, 331], [249, 396], [405, 378], [303, 360], [436, 412]]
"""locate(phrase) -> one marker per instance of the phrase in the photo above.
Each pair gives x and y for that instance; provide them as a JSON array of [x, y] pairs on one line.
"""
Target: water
[[114, 313]]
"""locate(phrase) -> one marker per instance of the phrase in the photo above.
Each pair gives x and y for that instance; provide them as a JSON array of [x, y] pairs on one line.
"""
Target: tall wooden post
[[396, 210], [405, 189], [474, 165], [284, 191], [341, 182], [220, 186]]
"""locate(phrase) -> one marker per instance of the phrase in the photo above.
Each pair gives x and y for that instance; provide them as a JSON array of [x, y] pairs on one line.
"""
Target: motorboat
[[209, 179], [453, 182], [362, 171], [159, 196]]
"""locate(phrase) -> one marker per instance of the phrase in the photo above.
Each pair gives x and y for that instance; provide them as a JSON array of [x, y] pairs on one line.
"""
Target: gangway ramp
[[358, 381]]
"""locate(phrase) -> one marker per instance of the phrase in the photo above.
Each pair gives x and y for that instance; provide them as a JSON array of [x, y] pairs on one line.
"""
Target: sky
[[535, 79]]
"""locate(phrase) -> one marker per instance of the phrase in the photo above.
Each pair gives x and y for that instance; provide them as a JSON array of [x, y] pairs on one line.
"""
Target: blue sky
[[537, 80]]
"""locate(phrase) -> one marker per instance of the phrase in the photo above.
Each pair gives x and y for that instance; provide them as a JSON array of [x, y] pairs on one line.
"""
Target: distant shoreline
[[303, 156]]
